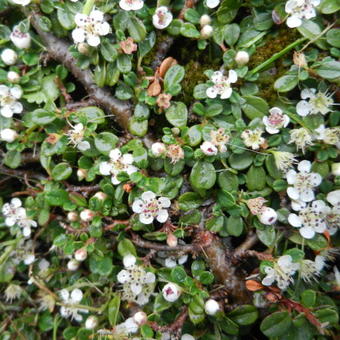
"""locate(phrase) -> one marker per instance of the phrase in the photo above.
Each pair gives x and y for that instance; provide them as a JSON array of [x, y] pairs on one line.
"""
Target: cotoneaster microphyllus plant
[[169, 169]]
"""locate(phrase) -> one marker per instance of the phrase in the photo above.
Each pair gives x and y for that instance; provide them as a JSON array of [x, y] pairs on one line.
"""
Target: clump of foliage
[[169, 169]]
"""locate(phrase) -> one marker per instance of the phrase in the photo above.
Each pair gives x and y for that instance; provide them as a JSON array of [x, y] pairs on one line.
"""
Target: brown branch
[[174, 327], [21, 173], [115, 223], [162, 50], [251, 253], [77, 105], [249, 242], [58, 49], [89, 188], [186, 248]]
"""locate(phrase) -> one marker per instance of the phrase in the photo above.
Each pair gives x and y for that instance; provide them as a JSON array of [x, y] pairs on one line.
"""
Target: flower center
[[276, 119]]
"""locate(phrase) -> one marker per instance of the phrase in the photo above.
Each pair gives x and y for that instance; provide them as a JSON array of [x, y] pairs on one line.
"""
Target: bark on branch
[[58, 49]]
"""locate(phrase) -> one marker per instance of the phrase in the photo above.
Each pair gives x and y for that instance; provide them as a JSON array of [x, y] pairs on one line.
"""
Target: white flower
[[207, 31], [127, 327], [13, 77], [329, 136], [131, 5], [117, 163], [303, 182], [162, 17], [284, 160], [205, 20], [301, 138], [12, 292], [267, 216], [20, 39], [275, 121], [149, 208], [211, 307], [76, 136], [212, 3], [242, 58], [8, 101], [91, 322], [336, 169], [171, 292], [81, 174], [222, 84], [220, 139], [9, 56], [158, 149], [8, 135], [90, 28], [138, 284], [252, 138], [311, 219], [70, 300], [310, 270], [300, 9], [21, 2], [209, 148], [281, 272], [72, 216], [314, 102], [333, 215]]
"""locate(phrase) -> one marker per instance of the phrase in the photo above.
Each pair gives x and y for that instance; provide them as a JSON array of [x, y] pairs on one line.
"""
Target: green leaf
[[235, 225], [225, 199], [228, 325], [160, 304], [203, 175], [308, 298], [178, 274], [255, 107], [189, 201], [177, 114], [173, 76], [113, 309], [276, 324], [126, 247], [329, 6], [286, 83], [333, 37], [311, 30], [65, 18], [189, 30], [329, 70], [256, 178], [241, 161], [136, 29], [105, 142], [244, 315], [56, 197], [49, 87], [327, 315], [231, 34], [267, 235], [12, 159], [124, 63], [138, 127], [61, 171], [92, 113], [108, 51], [101, 265]]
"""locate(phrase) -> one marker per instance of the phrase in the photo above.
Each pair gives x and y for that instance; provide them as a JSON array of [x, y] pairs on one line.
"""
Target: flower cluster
[[15, 214], [90, 28], [138, 284], [118, 163], [149, 207]]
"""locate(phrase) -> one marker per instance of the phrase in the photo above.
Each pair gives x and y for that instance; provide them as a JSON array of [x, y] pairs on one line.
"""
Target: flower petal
[[307, 232]]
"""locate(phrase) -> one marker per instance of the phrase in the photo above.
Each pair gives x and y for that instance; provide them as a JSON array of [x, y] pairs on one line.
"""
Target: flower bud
[[205, 20], [72, 216], [209, 149], [81, 173], [83, 48], [206, 31], [101, 196], [267, 216], [129, 260], [80, 254], [72, 265], [140, 318], [87, 215], [336, 169], [299, 59], [91, 322], [8, 135], [171, 240], [20, 39], [171, 292], [211, 307], [158, 149], [9, 56], [242, 58], [176, 131], [13, 77]]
